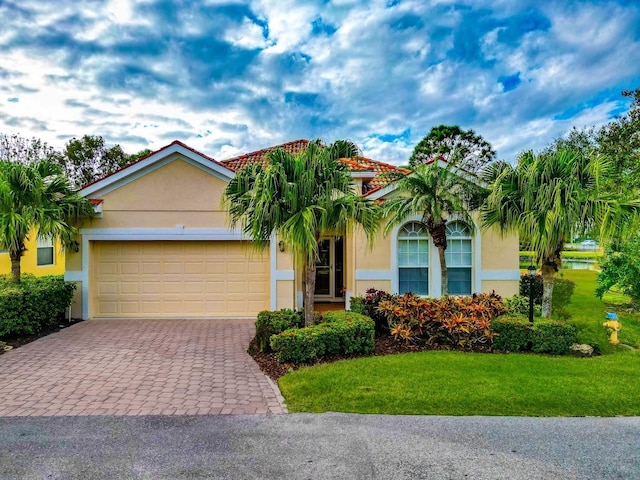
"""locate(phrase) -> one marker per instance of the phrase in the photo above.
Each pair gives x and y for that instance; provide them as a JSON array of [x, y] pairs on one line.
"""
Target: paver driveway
[[138, 367]]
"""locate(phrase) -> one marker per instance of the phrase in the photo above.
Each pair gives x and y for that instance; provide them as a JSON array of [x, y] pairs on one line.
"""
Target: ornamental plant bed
[[384, 345]]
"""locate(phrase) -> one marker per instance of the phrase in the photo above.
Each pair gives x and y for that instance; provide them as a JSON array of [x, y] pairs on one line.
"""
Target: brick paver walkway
[[138, 367]]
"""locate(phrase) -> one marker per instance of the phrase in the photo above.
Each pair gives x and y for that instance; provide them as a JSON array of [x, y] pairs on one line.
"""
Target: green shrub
[[340, 333], [621, 268], [273, 322], [553, 337], [33, 304], [512, 333], [368, 305], [562, 291], [518, 304], [536, 282], [357, 334]]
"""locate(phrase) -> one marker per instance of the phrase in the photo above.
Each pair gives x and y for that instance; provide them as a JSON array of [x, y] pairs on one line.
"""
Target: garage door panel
[[172, 268], [108, 288], [108, 268], [150, 268], [129, 288], [153, 288], [177, 279], [172, 287], [129, 308]]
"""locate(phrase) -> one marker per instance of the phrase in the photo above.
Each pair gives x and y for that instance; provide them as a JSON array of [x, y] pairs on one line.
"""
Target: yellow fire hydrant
[[613, 327]]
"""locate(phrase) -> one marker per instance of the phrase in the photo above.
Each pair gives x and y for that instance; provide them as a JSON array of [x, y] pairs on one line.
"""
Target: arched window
[[413, 259], [459, 258]]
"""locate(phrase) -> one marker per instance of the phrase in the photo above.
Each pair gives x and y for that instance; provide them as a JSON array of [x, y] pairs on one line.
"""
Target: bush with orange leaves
[[463, 322]]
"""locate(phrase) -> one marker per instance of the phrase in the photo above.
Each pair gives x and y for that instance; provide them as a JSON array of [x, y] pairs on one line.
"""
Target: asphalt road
[[324, 446]]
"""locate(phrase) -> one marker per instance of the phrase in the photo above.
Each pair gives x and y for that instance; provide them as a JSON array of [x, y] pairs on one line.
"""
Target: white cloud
[[370, 72]]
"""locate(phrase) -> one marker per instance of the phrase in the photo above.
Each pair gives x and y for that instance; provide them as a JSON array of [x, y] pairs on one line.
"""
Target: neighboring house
[[41, 257], [161, 247]]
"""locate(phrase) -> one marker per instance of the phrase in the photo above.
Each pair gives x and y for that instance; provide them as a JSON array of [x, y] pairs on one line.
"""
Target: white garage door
[[166, 279]]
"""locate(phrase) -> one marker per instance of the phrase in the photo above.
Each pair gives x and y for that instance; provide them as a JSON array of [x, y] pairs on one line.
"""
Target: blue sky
[[232, 77]]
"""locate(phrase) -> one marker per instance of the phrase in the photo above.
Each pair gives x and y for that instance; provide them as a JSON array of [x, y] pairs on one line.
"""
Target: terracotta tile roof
[[360, 164], [379, 168], [236, 163]]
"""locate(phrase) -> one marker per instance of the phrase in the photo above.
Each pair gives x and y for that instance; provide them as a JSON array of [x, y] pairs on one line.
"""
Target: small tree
[[464, 148], [546, 197], [25, 150], [621, 268], [299, 197], [88, 159], [36, 197]]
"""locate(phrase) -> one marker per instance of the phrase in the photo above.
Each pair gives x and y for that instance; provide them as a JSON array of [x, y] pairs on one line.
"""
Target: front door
[[330, 269]]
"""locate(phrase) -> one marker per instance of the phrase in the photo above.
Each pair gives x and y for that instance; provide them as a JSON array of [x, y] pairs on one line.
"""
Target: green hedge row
[[514, 333], [339, 333], [33, 304], [273, 322]]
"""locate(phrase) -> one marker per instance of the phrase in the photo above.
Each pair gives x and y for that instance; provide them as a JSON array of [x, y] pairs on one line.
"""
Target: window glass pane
[[458, 253], [45, 256], [413, 259], [44, 242], [415, 280], [459, 281], [457, 229]]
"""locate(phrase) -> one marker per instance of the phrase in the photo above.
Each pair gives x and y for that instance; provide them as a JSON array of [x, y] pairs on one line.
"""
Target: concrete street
[[305, 446]]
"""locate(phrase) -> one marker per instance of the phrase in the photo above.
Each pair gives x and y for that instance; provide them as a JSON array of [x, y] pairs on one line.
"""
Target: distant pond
[[567, 263]]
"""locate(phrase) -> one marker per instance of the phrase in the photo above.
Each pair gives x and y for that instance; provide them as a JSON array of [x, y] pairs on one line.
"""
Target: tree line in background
[[82, 160]]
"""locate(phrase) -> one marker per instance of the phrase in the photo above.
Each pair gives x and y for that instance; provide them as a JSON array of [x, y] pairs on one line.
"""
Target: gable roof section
[[359, 165], [153, 161], [236, 163]]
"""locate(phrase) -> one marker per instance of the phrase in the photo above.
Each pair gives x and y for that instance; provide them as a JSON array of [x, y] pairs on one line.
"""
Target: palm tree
[[547, 196], [36, 197], [436, 193], [299, 197]]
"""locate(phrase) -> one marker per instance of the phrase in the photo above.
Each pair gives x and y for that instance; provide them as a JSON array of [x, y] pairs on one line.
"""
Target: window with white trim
[[413, 259], [45, 251], [459, 257]]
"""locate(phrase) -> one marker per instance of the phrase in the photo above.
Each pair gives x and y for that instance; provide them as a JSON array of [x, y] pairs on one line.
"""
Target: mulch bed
[[16, 341], [384, 345]]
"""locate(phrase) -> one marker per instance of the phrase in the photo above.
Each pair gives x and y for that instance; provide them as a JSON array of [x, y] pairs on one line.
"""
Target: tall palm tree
[[547, 196], [437, 193], [299, 197], [36, 197]]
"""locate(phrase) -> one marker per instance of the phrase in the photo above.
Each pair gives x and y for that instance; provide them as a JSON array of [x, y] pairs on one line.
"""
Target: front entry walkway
[[138, 367]]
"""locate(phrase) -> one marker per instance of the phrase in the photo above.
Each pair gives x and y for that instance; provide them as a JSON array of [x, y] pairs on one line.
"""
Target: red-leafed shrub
[[463, 322]]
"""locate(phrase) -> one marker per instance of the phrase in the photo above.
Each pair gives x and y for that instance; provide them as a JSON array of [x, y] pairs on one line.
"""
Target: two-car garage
[[177, 279]]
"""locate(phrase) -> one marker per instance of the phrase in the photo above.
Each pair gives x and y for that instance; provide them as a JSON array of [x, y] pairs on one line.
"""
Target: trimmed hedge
[[33, 304], [273, 322], [514, 333], [340, 333], [553, 337]]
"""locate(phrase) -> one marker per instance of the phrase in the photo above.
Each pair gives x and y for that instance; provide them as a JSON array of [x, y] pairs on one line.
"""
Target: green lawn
[[455, 383], [588, 312]]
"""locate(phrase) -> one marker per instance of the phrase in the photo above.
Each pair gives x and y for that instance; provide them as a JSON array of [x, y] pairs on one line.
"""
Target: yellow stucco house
[[41, 257], [161, 247]]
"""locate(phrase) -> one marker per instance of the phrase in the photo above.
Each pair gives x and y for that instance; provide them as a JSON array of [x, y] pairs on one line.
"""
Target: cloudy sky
[[232, 77]]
